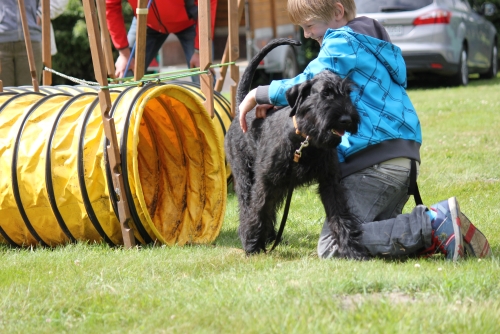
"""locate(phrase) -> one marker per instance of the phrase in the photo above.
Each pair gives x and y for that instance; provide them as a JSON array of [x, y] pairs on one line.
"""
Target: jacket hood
[[387, 53]]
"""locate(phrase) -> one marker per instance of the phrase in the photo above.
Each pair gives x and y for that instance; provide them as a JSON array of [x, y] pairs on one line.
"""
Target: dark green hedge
[[495, 18], [73, 57]]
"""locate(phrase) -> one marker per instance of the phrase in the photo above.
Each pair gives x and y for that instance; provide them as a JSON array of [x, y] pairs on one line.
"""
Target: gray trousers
[[15, 69], [377, 196]]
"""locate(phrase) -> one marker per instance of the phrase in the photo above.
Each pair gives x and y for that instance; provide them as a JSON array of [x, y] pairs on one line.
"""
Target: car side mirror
[[488, 9]]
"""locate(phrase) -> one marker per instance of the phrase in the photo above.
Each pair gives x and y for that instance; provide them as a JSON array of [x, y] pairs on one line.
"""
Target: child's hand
[[246, 105], [261, 110], [194, 62]]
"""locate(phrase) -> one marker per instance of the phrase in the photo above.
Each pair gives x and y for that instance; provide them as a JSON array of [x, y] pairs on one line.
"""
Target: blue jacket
[[389, 127], [11, 29]]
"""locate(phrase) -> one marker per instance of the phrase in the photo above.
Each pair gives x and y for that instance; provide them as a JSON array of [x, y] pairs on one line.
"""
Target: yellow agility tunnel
[[55, 181]]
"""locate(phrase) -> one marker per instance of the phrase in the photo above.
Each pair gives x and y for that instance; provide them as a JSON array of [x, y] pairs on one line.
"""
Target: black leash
[[296, 158], [285, 213]]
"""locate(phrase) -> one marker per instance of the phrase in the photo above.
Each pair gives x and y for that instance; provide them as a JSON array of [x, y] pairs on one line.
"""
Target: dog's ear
[[296, 95]]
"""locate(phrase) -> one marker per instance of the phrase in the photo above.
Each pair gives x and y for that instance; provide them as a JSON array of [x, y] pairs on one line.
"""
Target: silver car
[[444, 37]]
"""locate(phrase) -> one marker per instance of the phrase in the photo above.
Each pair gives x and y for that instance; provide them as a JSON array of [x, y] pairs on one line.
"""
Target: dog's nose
[[345, 120]]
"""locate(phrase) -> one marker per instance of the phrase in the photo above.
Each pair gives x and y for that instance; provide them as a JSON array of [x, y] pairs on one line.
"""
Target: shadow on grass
[[295, 244]]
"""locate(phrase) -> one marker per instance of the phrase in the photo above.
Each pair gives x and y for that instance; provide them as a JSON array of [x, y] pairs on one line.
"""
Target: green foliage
[[310, 47], [73, 57], [495, 19]]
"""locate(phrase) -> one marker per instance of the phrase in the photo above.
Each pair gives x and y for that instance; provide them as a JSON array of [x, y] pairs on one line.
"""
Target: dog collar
[[297, 131]]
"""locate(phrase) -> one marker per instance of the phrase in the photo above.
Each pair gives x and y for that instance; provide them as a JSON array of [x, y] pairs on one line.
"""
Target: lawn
[[92, 288]]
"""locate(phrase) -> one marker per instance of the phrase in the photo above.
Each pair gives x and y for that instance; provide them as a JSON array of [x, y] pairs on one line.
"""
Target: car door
[[484, 39], [463, 9]]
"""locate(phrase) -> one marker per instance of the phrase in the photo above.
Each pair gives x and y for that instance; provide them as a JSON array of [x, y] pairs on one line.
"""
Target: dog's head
[[323, 108]]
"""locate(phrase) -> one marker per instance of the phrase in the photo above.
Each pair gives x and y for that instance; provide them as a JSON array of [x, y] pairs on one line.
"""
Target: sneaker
[[475, 243], [446, 235]]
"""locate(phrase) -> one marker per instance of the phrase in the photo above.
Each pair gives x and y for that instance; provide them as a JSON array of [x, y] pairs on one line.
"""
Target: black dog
[[262, 160]]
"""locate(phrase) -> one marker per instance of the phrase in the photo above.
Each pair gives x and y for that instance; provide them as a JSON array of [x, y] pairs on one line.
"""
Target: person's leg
[[7, 74], [37, 52], [21, 63], [154, 41], [378, 192], [186, 38], [377, 196]]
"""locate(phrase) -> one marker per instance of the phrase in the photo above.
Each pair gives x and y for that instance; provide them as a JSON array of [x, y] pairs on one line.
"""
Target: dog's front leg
[[265, 200], [344, 226]]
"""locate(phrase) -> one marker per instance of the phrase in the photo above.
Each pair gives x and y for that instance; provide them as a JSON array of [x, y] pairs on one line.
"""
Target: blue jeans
[[155, 39], [377, 196]]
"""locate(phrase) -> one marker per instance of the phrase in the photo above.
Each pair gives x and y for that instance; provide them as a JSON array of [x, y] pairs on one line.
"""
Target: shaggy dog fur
[[262, 160]]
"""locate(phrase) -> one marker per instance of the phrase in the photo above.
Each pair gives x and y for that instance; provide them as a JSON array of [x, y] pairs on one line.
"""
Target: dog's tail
[[246, 78]]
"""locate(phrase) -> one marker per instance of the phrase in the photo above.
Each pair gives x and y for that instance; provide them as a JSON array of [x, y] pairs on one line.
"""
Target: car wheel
[[461, 78], [290, 68], [492, 71]]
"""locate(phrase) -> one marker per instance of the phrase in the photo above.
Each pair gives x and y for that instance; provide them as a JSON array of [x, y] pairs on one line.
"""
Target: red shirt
[[170, 16]]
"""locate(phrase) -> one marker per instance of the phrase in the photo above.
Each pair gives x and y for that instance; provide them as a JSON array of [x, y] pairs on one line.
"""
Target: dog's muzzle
[[345, 121]]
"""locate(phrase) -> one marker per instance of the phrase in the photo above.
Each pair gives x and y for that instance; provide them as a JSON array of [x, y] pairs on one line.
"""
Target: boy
[[375, 163]]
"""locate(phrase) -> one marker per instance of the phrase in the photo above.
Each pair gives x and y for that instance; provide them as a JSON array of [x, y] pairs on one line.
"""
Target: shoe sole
[[455, 218], [475, 242]]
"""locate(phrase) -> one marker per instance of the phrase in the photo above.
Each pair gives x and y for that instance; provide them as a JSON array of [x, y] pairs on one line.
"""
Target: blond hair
[[301, 11]]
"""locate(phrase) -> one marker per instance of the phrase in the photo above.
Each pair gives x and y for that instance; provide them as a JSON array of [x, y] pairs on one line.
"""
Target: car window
[[387, 6]]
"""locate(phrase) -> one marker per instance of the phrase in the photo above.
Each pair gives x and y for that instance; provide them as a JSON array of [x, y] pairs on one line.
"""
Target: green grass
[[86, 288]]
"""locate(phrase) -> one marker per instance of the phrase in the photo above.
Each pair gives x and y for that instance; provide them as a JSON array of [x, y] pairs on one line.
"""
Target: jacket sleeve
[[116, 23], [213, 11], [336, 54]]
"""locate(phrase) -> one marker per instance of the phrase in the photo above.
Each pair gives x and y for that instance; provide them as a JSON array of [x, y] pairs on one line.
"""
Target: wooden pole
[[29, 48], [225, 56], [46, 50], [108, 124], [105, 38], [140, 40], [205, 32], [273, 18], [1, 83], [234, 50]]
